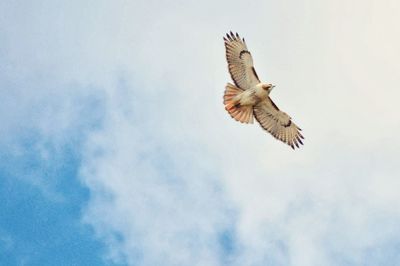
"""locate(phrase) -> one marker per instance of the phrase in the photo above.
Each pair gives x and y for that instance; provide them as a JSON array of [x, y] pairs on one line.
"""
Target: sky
[[115, 147]]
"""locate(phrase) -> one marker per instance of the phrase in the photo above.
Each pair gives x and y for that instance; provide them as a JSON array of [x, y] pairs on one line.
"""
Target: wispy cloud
[[157, 193]]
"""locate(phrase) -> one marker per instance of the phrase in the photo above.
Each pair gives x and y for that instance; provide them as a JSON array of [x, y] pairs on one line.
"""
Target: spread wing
[[240, 62], [278, 123]]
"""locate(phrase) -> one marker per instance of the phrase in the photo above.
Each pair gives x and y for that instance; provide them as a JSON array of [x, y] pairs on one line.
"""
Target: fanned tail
[[240, 113]]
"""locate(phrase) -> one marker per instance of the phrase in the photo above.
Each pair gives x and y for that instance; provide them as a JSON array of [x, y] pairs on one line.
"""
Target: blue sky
[[115, 148], [42, 198], [38, 229]]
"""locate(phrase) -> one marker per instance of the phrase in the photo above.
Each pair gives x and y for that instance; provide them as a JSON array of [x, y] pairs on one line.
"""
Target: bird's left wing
[[278, 123], [240, 62]]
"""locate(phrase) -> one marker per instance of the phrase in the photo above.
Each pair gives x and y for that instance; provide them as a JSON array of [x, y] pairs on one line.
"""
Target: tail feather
[[242, 114]]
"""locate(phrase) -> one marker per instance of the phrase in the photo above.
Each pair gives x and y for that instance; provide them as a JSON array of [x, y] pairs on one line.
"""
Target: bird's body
[[250, 97]]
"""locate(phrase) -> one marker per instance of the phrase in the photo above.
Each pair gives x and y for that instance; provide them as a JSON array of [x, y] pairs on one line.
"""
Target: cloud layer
[[173, 180]]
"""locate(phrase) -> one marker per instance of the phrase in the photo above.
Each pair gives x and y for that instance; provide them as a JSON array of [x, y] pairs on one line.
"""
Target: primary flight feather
[[250, 97]]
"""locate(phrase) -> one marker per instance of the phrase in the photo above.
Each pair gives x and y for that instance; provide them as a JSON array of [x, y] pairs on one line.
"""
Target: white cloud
[[158, 198], [170, 172]]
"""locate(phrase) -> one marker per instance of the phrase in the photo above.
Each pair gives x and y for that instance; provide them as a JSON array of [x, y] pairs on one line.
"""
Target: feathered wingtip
[[297, 140], [232, 37]]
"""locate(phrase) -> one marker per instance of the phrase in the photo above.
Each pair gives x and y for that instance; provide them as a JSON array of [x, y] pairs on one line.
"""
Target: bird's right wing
[[240, 62], [278, 123]]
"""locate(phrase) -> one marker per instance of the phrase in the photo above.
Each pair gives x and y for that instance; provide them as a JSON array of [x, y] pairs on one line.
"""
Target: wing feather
[[278, 123], [240, 62]]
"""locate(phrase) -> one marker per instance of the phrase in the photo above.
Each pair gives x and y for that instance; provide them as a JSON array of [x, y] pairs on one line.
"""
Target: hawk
[[250, 97]]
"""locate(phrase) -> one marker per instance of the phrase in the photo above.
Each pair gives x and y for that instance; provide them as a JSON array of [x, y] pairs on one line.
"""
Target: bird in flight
[[250, 97]]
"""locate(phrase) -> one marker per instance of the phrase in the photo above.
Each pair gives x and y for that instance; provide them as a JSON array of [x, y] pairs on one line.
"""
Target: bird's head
[[268, 87]]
